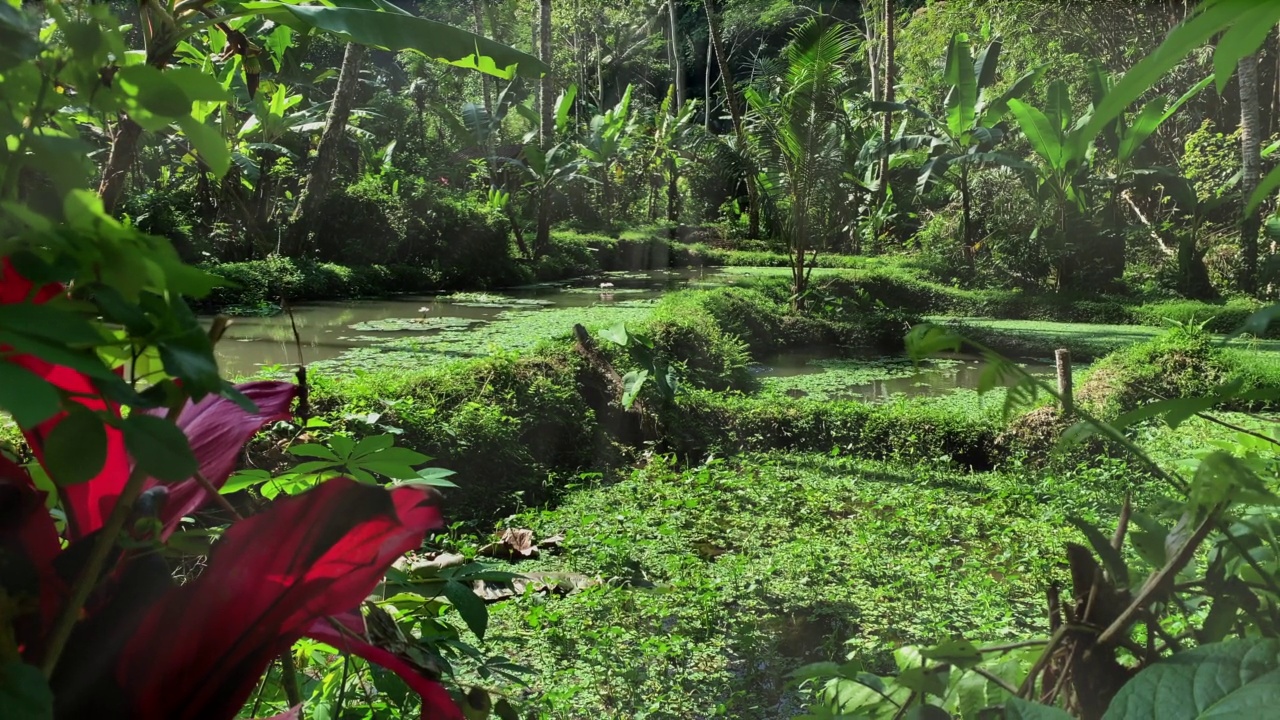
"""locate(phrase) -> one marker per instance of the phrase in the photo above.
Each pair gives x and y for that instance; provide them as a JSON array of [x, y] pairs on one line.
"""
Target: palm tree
[[1250, 167], [801, 122], [316, 188]]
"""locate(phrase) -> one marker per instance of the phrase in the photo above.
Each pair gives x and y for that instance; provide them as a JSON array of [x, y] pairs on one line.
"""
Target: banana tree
[[546, 173], [1061, 178], [966, 137], [801, 122], [1124, 136], [610, 137], [671, 135]]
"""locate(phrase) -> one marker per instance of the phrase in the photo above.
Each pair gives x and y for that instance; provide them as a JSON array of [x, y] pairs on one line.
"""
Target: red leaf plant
[[144, 648]]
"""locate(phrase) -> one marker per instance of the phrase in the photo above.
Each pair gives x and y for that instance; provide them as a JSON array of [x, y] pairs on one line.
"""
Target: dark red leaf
[[15, 289], [201, 649], [28, 546], [218, 429], [89, 503], [346, 632]]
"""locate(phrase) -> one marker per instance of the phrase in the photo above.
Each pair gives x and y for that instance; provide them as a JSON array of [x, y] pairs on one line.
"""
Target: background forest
[[448, 170]]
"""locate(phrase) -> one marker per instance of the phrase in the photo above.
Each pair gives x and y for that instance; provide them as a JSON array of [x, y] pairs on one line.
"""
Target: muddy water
[[325, 330], [855, 378]]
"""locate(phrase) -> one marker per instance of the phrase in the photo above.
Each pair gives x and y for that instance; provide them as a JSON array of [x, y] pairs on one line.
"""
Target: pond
[[408, 331], [349, 334], [825, 374]]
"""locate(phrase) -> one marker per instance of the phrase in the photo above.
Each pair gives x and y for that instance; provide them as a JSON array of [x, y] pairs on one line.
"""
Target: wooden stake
[[1063, 358]]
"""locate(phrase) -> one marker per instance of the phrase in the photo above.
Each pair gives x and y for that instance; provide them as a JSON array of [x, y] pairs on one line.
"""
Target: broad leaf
[[75, 450], [24, 693], [632, 383], [18, 42], [396, 31], [470, 607], [25, 396], [618, 334], [926, 681], [985, 65], [1232, 679], [961, 653], [208, 144], [993, 111], [962, 101], [159, 448], [1248, 31], [1044, 138], [1019, 709], [1210, 18], [564, 105], [1222, 477]]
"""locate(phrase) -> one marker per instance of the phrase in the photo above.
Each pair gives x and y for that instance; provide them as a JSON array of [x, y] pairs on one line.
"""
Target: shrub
[[1221, 317], [258, 282], [503, 423], [1184, 362], [466, 242], [362, 225]]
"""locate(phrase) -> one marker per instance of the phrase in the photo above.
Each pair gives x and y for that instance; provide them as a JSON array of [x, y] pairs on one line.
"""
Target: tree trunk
[[882, 192], [542, 241], [735, 112], [706, 86], [323, 168], [1251, 168], [1193, 276], [677, 62], [115, 175]]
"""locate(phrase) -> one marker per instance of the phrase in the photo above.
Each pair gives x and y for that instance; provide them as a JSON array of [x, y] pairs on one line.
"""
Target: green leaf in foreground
[[1018, 709], [1232, 679], [24, 694], [159, 448], [76, 449], [397, 31], [29, 399], [470, 607]]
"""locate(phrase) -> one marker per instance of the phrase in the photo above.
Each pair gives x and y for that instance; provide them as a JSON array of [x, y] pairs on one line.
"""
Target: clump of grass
[[1182, 362]]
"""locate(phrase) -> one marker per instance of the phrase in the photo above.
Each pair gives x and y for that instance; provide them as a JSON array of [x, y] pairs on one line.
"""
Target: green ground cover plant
[[715, 577]]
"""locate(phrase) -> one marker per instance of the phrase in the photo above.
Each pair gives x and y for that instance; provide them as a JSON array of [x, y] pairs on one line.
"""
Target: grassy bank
[[520, 420]]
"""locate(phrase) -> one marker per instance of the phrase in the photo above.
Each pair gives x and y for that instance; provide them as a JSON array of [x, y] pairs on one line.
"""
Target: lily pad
[[606, 291], [489, 300], [414, 324]]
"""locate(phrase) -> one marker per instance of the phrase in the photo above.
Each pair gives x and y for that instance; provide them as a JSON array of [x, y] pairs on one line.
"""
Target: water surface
[[329, 331]]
